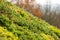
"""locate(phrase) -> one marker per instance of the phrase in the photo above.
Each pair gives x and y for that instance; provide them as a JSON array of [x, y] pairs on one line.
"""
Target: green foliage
[[24, 25], [22, 33], [6, 35]]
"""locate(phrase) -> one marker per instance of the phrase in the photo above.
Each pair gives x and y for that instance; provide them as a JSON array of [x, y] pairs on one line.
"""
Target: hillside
[[23, 25]]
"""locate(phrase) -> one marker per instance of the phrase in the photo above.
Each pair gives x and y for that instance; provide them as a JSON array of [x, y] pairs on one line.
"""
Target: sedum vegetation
[[21, 25], [6, 35]]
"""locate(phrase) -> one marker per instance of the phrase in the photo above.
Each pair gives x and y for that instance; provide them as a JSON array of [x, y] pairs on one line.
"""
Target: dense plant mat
[[6, 35], [24, 25]]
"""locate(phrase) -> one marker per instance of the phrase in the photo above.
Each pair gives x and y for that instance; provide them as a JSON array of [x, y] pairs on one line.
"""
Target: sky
[[42, 2]]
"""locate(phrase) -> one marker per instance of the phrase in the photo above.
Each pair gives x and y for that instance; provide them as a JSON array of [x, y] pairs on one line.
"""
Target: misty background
[[51, 13]]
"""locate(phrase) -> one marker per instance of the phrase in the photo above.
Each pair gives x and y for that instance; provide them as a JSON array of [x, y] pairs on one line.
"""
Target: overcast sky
[[42, 2]]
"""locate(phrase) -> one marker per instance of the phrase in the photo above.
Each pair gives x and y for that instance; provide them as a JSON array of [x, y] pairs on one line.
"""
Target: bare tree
[[30, 6]]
